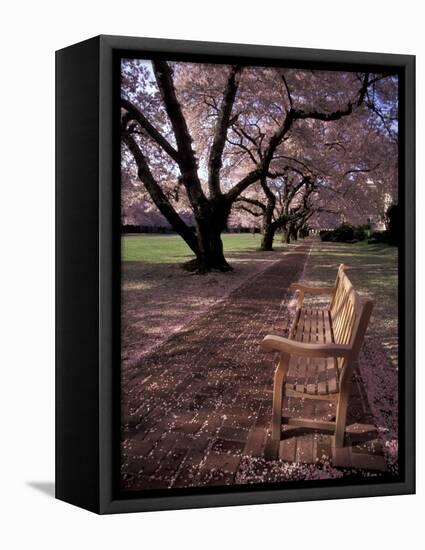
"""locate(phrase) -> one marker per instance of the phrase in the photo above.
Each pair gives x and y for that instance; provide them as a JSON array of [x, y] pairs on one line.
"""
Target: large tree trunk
[[286, 235], [209, 226], [211, 254], [268, 229], [267, 238]]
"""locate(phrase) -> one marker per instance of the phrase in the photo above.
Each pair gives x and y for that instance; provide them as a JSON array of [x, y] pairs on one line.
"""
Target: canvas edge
[[107, 502]]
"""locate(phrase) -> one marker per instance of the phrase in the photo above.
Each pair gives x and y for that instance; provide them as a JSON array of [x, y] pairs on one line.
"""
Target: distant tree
[[285, 204]]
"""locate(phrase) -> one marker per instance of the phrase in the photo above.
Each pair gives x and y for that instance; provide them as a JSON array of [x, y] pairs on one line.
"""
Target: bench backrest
[[350, 315]]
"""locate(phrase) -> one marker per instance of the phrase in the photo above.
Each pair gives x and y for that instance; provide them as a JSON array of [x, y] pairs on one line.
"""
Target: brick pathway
[[201, 403]]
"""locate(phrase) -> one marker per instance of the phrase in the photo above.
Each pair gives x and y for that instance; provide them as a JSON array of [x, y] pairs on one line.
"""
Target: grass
[[172, 248], [372, 267], [373, 270]]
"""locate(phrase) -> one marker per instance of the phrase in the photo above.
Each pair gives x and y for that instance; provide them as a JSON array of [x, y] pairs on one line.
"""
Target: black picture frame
[[87, 300]]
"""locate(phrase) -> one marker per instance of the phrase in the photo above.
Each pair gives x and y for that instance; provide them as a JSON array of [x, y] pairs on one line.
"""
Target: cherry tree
[[207, 133], [285, 201], [353, 163]]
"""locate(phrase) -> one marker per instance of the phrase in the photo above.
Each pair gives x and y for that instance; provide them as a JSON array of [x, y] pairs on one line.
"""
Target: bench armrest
[[302, 290], [277, 343], [312, 289]]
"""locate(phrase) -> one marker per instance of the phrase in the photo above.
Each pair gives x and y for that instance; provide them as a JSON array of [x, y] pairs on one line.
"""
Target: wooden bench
[[318, 358]]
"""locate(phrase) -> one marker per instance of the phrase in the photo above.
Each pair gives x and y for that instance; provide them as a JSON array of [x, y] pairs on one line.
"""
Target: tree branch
[[370, 104], [241, 145], [271, 198], [246, 209], [215, 159], [299, 114], [245, 182], [276, 139], [288, 92], [254, 202], [360, 170], [187, 161], [135, 114], [157, 195], [306, 166]]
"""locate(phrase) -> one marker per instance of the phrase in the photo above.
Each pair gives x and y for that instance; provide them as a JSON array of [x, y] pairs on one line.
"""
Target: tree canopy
[[201, 141]]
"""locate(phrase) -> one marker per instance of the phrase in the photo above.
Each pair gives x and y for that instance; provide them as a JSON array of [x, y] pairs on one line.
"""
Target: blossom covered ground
[[159, 297], [196, 404]]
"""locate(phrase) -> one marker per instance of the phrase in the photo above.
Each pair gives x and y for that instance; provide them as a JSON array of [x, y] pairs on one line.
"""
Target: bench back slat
[[349, 315]]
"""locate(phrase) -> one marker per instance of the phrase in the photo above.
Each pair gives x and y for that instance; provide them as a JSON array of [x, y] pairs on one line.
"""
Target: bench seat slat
[[313, 376], [311, 382], [303, 334]]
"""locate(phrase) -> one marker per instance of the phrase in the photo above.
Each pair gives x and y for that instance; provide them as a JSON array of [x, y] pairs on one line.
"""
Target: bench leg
[[272, 447], [341, 410], [341, 417]]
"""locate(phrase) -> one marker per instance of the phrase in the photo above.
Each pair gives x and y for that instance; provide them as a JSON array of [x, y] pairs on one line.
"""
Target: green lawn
[[373, 270], [172, 248], [372, 267]]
